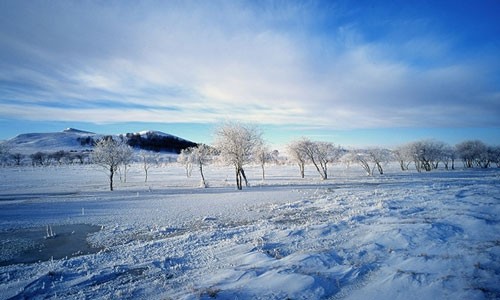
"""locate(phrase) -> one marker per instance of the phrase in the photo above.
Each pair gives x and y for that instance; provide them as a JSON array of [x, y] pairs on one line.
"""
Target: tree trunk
[[301, 167], [238, 179], [263, 173], [417, 166], [365, 166], [244, 176], [324, 169], [202, 177], [125, 173], [111, 173], [317, 168]]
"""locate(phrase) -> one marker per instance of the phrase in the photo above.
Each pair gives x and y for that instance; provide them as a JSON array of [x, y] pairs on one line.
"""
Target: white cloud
[[226, 60]]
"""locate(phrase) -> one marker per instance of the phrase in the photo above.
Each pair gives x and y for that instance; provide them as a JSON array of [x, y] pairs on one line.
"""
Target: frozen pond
[[45, 243]]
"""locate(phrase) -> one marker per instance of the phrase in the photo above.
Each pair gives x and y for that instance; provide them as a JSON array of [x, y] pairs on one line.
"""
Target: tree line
[[238, 145], [428, 154], [41, 158], [149, 141]]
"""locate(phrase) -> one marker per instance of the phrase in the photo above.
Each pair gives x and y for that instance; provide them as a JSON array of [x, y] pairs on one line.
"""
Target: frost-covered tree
[[369, 159], [275, 156], [201, 155], [403, 156], [473, 153], [294, 150], [495, 155], [319, 154], [80, 157], [426, 154], [111, 154], [185, 159], [379, 157], [17, 158], [127, 156], [236, 144], [59, 156], [448, 155], [149, 159], [358, 157], [4, 153], [263, 156], [39, 159]]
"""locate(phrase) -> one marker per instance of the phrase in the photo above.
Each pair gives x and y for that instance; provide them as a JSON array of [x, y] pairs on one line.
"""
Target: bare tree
[[59, 156], [369, 159], [110, 154], [448, 154], [186, 160], [127, 155], [473, 153], [359, 157], [17, 157], [495, 155], [403, 156], [426, 154], [294, 150], [320, 154], [201, 156], [149, 159], [39, 159], [4, 152], [236, 144], [262, 156], [80, 157], [275, 156], [379, 157]]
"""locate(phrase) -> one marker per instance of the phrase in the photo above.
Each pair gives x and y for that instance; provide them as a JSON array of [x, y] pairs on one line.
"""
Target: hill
[[76, 140], [158, 141]]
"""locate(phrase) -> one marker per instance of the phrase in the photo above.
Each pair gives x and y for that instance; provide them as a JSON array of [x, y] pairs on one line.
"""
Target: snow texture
[[403, 235]]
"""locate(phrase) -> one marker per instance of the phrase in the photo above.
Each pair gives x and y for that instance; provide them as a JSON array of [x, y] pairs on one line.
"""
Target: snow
[[66, 140], [74, 130], [145, 133], [403, 235], [30, 143]]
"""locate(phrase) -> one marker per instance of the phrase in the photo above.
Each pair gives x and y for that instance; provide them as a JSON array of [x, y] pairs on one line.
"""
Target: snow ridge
[[70, 139], [146, 133], [74, 130]]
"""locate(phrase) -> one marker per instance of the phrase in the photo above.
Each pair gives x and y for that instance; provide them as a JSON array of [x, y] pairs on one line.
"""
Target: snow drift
[[398, 236]]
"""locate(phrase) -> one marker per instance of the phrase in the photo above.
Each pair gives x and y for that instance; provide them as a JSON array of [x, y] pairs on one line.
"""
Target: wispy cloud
[[207, 61]]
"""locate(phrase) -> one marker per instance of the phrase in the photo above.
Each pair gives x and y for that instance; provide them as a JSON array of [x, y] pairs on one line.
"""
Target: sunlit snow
[[403, 235]]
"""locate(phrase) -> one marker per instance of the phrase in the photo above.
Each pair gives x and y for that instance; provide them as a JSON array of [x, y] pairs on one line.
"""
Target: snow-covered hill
[[72, 139], [146, 133], [68, 140]]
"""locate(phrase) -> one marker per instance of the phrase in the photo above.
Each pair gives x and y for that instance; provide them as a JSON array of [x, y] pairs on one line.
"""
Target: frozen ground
[[398, 236]]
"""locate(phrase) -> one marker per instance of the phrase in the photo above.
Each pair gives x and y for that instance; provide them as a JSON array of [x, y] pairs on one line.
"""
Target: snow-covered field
[[402, 235]]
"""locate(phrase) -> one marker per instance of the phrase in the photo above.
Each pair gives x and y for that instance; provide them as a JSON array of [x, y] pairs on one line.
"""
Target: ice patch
[[34, 244]]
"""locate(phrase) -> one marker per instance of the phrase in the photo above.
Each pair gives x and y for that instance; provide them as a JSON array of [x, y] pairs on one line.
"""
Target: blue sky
[[356, 73]]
